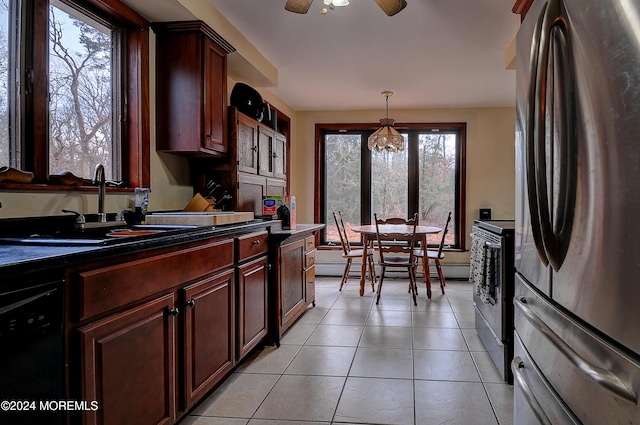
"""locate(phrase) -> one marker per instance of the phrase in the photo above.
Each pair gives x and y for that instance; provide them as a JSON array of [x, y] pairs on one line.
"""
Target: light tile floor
[[350, 361]]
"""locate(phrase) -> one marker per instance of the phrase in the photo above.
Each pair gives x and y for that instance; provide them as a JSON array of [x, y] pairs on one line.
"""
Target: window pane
[[4, 83], [80, 85], [437, 174], [389, 184], [343, 170]]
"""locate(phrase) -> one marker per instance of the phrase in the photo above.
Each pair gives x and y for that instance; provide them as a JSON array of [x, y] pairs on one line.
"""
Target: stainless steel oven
[[492, 273]]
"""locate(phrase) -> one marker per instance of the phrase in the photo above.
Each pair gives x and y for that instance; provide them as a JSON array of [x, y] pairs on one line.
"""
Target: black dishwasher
[[31, 350]]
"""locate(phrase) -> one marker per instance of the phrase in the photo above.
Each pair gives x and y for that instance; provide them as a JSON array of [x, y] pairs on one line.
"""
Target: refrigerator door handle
[[605, 378], [531, 163], [556, 100], [516, 365]]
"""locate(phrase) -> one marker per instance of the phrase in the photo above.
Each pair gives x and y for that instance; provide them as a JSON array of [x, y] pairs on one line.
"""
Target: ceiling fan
[[390, 7]]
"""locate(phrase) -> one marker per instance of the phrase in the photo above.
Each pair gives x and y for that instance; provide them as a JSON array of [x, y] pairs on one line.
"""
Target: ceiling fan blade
[[298, 6], [391, 7]]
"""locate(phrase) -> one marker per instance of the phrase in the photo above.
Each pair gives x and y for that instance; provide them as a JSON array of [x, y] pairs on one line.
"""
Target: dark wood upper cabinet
[[191, 89], [521, 7]]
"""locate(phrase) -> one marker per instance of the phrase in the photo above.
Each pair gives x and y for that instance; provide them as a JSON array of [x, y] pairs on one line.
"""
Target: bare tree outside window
[[81, 89], [437, 181], [344, 169], [4, 83], [389, 184]]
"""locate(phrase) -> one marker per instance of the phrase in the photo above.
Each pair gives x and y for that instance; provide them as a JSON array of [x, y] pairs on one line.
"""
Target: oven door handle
[[516, 365], [491, 245]]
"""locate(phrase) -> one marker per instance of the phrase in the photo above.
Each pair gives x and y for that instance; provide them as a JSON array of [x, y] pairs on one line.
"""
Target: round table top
[[400, 229]]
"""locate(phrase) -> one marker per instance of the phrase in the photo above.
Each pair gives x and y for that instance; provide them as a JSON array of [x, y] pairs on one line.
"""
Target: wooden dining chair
[[389, 254], [424, 255], [349, 253]]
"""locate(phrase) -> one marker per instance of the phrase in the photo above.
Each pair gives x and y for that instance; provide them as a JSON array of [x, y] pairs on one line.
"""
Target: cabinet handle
[[275, 155], [268, 266], [191, 303], [256, 242], [209, 136], [255, 148], [174, 312]]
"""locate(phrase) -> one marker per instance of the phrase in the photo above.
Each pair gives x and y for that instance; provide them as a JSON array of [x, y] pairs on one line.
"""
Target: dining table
[[402, 231]]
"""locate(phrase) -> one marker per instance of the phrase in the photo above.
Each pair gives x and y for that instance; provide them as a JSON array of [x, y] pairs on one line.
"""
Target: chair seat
[[434, 255], [396, 261], [430, 254], [355, 253], [349, 254], [392, 245]]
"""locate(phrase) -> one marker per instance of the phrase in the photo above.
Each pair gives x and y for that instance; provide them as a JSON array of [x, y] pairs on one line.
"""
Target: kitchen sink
[[103, 234]]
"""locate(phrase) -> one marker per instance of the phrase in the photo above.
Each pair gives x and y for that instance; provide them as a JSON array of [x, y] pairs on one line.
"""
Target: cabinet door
[[279, 156], [128, 367], [265, 151], [252, 305], [247, 144], [208, 334], [292, 283], [251, 188], [215, 97], [276, 187]]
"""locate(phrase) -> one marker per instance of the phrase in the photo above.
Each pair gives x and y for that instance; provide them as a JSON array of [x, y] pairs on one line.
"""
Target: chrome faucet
[[100, 181]]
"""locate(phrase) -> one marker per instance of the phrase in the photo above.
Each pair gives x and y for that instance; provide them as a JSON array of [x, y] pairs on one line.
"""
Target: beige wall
[[490, 158]]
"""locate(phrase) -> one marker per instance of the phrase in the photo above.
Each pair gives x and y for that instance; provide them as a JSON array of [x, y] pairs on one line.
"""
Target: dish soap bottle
[[142, 202]]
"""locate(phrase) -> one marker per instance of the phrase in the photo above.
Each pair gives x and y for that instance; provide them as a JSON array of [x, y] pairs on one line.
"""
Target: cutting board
[[199, 218]]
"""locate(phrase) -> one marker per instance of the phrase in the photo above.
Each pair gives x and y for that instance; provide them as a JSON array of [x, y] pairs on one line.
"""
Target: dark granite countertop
[[300, 228], [19, 259]]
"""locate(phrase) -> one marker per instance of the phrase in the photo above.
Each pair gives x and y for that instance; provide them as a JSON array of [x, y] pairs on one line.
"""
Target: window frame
[[367, 129], [32, 121]]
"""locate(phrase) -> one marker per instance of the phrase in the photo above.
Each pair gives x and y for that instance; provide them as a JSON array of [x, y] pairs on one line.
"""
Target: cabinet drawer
[[309, 259], [107, 288], [309, 243], [310, 285], [252, 245], [310, 276]]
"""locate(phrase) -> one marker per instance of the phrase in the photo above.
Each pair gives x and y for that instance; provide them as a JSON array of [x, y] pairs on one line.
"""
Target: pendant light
[[336, 3], [386, 137]]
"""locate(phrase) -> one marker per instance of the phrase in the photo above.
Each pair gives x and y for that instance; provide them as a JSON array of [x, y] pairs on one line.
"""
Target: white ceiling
[[435, 53]]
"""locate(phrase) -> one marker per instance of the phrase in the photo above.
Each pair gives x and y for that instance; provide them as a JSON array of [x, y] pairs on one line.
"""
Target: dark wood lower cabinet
[[292, 283], [293, 286], [208, 334], [128, 361], [252, 305], [152, 345]]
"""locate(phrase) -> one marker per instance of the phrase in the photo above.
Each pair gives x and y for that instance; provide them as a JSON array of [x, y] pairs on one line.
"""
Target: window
[[91, 58], [5, 66], [81, 93], [427, 178]]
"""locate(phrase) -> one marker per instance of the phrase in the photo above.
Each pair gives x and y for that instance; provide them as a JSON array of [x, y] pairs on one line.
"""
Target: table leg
[[363, 270], [425, 267]]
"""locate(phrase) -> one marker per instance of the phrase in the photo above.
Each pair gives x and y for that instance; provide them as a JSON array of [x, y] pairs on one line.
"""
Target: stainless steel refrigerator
[[577, 254]]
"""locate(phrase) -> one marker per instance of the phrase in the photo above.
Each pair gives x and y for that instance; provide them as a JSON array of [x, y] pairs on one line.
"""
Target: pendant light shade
[[336, 3], [386, 137]]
